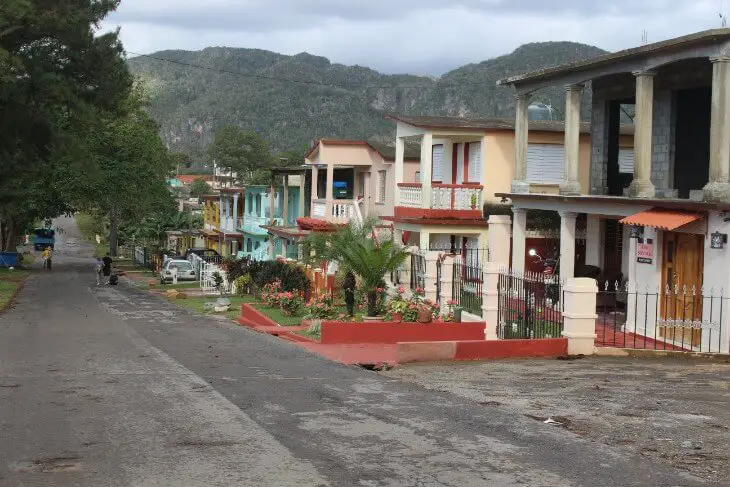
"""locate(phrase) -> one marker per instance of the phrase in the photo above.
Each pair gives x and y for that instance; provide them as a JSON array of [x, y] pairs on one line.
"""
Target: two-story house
[[231, 208], [463, 163], [355, 178], [676, 197], [270, 208], [211, 221]]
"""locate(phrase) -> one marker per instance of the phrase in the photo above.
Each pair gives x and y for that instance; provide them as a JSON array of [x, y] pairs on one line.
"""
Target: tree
[[239, 151], [355, 250], [292, 157], [199, 187]]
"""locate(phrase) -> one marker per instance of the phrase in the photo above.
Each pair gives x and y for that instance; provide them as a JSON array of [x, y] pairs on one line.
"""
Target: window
[[545, 163], [417, 179], [250, 204], [475, 162], [381, 187], [258, 204], [249, 245], [437, 162], [626, 161]]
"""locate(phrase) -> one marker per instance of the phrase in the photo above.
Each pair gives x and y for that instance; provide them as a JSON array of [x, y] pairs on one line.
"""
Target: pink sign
[[644, 253]]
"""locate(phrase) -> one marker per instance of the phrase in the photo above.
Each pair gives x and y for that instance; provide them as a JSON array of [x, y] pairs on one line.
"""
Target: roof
[[210, 197], [668, 203], [232, 190], [691, 40], [412, 151], [189, 178], [286, 232], [492, 123], [662, 219]]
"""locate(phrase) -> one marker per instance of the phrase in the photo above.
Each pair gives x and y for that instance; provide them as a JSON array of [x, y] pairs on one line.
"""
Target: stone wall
[[599, 146], [662, 158]]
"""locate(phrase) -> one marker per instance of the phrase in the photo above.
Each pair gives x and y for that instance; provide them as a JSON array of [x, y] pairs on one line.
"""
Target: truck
[[44, 237]]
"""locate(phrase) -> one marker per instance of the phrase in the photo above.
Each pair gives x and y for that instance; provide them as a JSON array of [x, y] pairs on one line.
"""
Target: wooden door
[[682, 266]]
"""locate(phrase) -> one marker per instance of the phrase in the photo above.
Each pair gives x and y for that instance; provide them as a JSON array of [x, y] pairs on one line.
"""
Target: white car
[[185, 271]]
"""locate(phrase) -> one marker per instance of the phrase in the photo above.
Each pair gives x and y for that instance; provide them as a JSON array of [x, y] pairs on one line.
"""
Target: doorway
[[682, 276], [692, 146]]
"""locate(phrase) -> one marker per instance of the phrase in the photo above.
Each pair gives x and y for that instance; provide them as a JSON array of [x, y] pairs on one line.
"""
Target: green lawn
[[278, 315], [196, 304], [10, 281]]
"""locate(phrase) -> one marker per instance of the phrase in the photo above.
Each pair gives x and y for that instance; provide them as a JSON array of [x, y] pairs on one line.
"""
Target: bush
[[291, 276], [270, 294], [290, 302], [242, 284], [321, 308]]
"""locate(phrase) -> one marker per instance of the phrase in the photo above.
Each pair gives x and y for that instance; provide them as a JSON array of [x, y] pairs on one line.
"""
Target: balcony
[[443, 196], [340, 211], [253, 223], [229, 224]]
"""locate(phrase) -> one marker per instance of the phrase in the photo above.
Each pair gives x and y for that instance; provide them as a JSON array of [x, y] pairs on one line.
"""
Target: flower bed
[[390, 332]]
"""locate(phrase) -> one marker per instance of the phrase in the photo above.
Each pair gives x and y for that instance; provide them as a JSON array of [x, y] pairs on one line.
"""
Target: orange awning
[[662, 219]]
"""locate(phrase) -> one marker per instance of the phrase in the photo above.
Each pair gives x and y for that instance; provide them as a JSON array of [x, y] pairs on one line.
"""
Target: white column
[[567, 244], [571, 184], [520, 184], [368, 199], [315, 178], [425, 239], [490, 300], [519, 234], [431, 275], [447, 282], [641, 186], [285, 209], [221, 221], [398, 169], [302, 187], [594, 241], [579, 315], [500, 230], [426, 156], [718, 188], [330, 191], [235, 211]]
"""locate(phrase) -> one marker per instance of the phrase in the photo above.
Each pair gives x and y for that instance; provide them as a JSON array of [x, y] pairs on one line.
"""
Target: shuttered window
[[381, 187], [475, 162], [545, 163], [626, 161], [437, 162]]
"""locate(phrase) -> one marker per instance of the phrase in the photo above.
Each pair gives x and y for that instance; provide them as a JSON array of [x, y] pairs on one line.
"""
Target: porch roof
[[662, 219], [676, 204], [462, 222], [688, 42], [286, 232]]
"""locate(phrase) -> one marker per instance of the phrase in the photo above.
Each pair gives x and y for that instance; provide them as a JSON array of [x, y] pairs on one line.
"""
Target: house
[[354, 178], [675, 199], [283, 231], [212, 222], [265, 213], [181, 240], [463, 163], [231, 207]]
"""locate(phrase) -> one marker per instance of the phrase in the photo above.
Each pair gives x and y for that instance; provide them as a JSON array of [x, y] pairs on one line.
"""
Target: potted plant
[[425, 313], [473, 201], [398, 306]]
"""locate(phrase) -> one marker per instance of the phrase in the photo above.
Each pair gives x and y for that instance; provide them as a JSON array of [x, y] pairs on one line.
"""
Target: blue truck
[[44, 237]]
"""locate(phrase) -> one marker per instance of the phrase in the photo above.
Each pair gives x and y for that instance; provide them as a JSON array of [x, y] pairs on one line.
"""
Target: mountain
[[190, 103]]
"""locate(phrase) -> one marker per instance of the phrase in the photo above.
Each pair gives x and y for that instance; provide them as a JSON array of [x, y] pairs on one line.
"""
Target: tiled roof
[[662, 219], [412, 151], [189, 178]]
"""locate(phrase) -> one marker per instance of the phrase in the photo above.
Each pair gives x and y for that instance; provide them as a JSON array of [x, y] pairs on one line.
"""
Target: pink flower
[[451, 302], [379, 290], [401, 290]]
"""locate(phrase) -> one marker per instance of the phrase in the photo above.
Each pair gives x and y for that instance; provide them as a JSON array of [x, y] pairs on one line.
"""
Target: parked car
[[185, 271], [208, 255]]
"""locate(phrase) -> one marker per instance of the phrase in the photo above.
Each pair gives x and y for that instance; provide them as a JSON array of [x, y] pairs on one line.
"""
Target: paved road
[[108, 386]]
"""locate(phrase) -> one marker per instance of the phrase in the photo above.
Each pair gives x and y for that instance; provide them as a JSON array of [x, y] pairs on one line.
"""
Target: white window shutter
[[534, 162], [626, 161], [438, 162], [475, 162], [545, 163]]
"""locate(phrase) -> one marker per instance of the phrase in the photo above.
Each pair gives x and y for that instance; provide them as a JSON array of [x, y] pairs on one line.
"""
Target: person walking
[[348, 285], [99, 268], [47, 258], [107, 267]]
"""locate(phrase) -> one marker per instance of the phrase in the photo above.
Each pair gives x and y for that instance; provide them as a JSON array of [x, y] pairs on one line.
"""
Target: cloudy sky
[[411, 36]]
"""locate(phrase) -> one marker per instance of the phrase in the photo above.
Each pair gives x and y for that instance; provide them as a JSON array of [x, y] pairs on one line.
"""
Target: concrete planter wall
[[390, 332]]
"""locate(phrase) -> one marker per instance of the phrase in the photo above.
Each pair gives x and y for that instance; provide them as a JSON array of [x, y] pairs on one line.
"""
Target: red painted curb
[[253, 316], [336, 332], [497, 349]]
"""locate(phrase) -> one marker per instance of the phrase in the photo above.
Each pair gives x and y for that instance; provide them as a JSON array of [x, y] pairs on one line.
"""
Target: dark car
[[208, 255]]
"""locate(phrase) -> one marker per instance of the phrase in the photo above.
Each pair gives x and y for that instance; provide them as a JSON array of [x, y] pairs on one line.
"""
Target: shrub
[[290, 302], [270, 294], [242, 284], [321, 307], [291, 276]]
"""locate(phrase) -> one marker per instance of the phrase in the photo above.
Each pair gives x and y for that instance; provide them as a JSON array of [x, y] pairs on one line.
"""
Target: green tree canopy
[[240, 151], [199, 187]]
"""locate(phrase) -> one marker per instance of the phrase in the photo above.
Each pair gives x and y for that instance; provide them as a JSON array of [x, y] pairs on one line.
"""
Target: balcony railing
[[411, 195], [342, 211], [443, 196], [319, 209], [253, 224]]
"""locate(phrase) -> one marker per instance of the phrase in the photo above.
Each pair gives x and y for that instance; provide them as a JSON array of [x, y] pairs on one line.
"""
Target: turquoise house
[[257, 215]]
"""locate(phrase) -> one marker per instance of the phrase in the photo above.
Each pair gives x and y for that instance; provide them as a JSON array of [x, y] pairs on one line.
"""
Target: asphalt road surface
[[109, 386]]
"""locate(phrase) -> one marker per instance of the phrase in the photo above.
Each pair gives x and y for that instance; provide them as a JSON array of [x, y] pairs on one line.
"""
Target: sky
[[428, 37]]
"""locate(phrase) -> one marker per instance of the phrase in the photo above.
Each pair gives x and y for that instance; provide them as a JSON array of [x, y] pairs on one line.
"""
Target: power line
[[297, 81]]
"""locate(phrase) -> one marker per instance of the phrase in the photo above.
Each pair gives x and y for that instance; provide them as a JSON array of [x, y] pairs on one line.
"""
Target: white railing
[[342, 211], [456, 197], [319, 209], [411, 195], [253, 223], [207, 280]]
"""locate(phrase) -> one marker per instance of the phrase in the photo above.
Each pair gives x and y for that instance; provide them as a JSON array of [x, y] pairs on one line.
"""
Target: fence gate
[[467, 286], [530, 305], [207, 280], [418, 270]]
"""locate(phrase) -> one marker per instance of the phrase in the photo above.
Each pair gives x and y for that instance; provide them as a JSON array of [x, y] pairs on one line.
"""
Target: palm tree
[[355, 250]]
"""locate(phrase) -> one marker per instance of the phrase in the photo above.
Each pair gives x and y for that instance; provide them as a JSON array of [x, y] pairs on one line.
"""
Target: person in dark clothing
[[107, 267], [348, 285]]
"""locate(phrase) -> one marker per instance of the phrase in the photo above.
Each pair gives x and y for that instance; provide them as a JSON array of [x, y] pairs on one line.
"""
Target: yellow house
[[212, 222]]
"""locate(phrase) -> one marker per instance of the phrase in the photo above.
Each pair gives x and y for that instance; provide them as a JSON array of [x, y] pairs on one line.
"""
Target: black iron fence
[[418, 271], [439, 264], [467, 286], [678, 319], [472, 256], [530, 305]]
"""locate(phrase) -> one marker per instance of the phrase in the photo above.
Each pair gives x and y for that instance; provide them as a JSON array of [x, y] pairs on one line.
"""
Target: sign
[[644, 253]]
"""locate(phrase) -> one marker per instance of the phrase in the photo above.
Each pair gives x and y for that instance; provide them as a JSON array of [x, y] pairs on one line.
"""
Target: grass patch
[[278, 316], [181, 285], [10, 281], [306, 333], [197, 304]]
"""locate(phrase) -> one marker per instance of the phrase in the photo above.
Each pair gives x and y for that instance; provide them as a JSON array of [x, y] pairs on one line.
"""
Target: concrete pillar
[[567, 244], [425, 239], [594, 241], [315, 178], [641, 186], [284, 247], [519, 234], [571, 183], [718, 187], [398, 169], [447, 282], [579, 315], [367, 197], [520, 183], [500, 230], [330, 191], [431, 275], [220, 213], [302, 187], [490, 300], [235, 211], [285, 209], [426, 162]]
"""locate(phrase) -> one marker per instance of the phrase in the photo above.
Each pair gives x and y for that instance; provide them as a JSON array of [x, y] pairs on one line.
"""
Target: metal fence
[[418, 270], [472, 256], [682, 318], [530, 305], [467, 286], [439, 264]]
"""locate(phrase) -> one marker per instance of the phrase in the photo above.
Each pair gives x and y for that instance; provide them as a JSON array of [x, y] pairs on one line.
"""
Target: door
[[682, 262]]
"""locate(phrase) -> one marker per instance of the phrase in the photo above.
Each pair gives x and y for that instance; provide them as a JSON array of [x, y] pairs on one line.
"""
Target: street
[[110, 386]]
